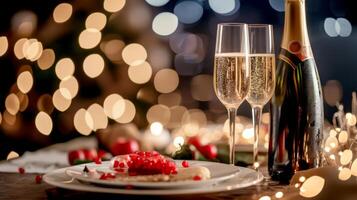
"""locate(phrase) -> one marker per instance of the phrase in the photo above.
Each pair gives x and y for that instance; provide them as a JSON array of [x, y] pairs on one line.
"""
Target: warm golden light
[[18, 48], [343, 137], [176, 113], [141, 73], [0, 117], [312, 186], [158, 113], [100, 120], [80, 123], [156, 128], [134, 54], [279, 195], [24, 82], [89, 38], [333, 133], [64, 68], [12, 104], [43, 123], [178, 141], [60, 102], [265, 198], [114, 106], [331, 142], [344, 174], [113, 49], [69, 87], [9, 118], [93, 65], [166, 80], [47, 59], [62, 12], [302, 178], [113, 5], [32, 49], [96, 20], [44, 103], [194, 116], [346, 157], [202, 87], [129, 113], [171, 99], [24, 101], [12, 155], [4, 45], [354, 168]]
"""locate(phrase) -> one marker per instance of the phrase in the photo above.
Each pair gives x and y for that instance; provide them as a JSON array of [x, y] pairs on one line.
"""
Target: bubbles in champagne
[[231, 78], [262, 78]]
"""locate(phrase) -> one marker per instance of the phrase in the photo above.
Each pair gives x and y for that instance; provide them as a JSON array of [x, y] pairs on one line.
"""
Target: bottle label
[[302, 52]]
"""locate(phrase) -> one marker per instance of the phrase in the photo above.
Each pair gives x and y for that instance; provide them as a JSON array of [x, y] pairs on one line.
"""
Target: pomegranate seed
[[21, 170], [98, 161], [121, 165], [116, 164], [197, 178], [38, 179], [103, 177]]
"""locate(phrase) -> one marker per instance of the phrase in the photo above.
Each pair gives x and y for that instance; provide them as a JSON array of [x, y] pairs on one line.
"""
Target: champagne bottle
[[296, 131]]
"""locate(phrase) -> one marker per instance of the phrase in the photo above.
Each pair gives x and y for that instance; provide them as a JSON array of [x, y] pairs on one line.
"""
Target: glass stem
[[257, 113], [232, 123]]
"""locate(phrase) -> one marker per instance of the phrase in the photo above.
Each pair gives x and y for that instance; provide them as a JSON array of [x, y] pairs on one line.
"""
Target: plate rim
[[179, 184], [224, 186]]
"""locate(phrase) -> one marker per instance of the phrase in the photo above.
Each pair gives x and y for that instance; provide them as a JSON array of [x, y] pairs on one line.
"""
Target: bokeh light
[[312, 186], [96, 20], [69, 87], [112, 49], [165, 23], [18, 48], [134, 54], [44, 103], [23, 23], [62, 12], [166, 80], [188, 12], [194, 116], [229, 7], [332, 92], [93, 65], [278, 5], [12, 155], [100, 120], [176, 114], [202, 87], [60, 102], [178, 141], [170, 99], [47, 59], [157, 3], [43, 123], [89, 38], [156, 128], [113, 5], [114, 106], [12, 104], [24, 101], [129, 113], [141, 73], [330, 27], [343, 27], [32, 49], [158, 113], [80, 123], [4, 45], [64, 68], [24, 82]]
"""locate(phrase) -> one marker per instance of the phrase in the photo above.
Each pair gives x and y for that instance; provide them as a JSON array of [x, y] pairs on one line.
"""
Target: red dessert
[[145, 163]]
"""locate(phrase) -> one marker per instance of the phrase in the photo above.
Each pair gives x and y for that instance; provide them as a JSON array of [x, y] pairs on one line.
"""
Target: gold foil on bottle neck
[[295, 38]]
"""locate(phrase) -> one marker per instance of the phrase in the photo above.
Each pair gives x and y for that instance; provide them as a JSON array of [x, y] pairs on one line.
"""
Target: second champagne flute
[[231, 72], [262, 75]]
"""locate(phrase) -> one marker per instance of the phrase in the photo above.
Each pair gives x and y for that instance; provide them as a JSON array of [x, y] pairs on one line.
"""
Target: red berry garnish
[[116, 164], [21, 170], [38, 179], [121, 165], [197, 178], [98, 161], [185, 164]]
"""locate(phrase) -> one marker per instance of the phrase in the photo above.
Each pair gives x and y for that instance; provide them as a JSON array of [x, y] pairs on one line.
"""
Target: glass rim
[[260, 25], [231, 24]]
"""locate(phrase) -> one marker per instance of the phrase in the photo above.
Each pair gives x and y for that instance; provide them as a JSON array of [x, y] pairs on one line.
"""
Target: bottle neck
[[295, 37]]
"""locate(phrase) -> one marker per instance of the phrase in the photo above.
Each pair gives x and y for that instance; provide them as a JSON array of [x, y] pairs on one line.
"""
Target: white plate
[[219, 172], [245, 178]]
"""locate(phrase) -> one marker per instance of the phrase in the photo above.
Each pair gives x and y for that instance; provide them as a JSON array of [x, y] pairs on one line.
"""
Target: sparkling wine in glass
[[231, 72], [262, 75]]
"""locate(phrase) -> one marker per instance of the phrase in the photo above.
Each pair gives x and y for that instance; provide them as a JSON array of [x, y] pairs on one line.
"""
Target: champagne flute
[[231, 72], [262, 75]]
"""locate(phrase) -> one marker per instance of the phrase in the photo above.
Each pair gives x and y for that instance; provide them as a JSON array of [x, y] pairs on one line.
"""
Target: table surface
[[23, 186]]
